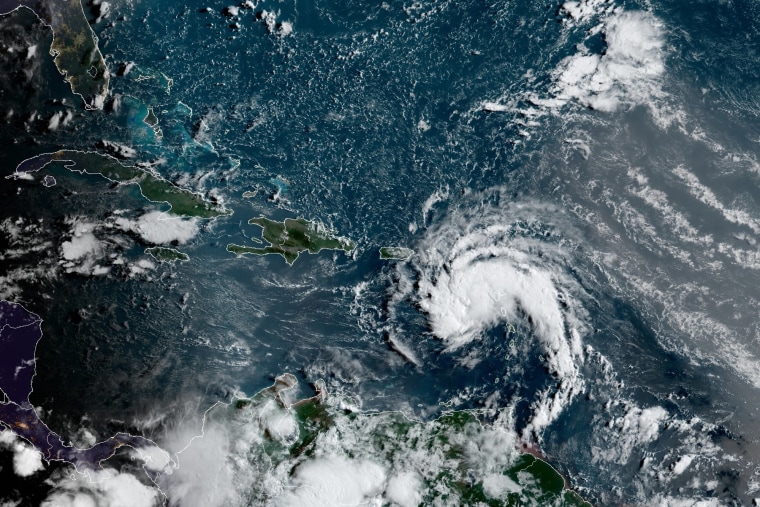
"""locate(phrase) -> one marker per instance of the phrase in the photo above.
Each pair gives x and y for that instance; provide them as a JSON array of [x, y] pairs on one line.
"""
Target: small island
[[163, 254], [153, 187], [395, 253], [151, 120], [292, 237]]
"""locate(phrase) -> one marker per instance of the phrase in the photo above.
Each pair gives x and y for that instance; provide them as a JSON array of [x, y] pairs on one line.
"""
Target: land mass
[[292, 237], [20, 331], [74, 49], [183, 202], [453, 460], [395, 252], [151, 120]]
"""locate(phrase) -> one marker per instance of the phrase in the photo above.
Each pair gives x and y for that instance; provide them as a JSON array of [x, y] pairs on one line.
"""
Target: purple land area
[[37, 6], [20, 331], [36, 163]]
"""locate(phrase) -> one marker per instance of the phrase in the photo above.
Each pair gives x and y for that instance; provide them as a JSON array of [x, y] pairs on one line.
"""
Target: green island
[[153, 187], [395, 252], [74, 49], [454, 460], [292, 237], [163, 254]]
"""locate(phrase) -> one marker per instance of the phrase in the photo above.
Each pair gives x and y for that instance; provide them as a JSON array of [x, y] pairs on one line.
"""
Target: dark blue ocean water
[[606, 152]]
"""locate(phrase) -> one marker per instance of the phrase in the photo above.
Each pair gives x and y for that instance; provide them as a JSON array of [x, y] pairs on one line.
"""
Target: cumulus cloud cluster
[[335, 480], [26, 459], [637, 427], [94, 488], [626, 74], [26, 240], [627, 71], [93, 248], [488, 265], [82, 251], [159, 228], [109, 488], [243, 457], [90, 247]]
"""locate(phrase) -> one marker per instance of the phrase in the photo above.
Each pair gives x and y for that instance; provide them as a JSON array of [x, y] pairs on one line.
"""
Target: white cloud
[[486, 267], [141, 266], [584, 10], [682, 464], [706, 196], [23, 236], [286, 28], [658, 200], [26, 459], [439, 195], [102, 9], [109, 488], [667, 501], [155, 459], [159, 228], [67, 119], [9, 282], [82, 243], [334, 481], [358, 459], [118, 149], [27, 176], [70, 499], [404, 489], [278, 422], [81, 253], [498, 485], [7, 437], [633, 430], [204, 476], [83, 438], [269, 19], [626, 74], [55, 120]]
